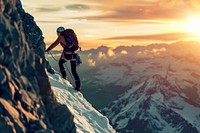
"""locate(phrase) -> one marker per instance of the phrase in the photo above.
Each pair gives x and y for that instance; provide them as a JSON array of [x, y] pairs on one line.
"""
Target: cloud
[[48, 9], [78, 7], [101, 55], [50, 21], [124, 52], [195, 4], [154, 51], [91, 62], [110, 52], [139, 12], [126, 10], [158, 51], [89, 55], [159, 37]]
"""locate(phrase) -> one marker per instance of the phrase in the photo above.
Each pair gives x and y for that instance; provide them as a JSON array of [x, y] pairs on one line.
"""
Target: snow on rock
[[86, 118], [154, 106]]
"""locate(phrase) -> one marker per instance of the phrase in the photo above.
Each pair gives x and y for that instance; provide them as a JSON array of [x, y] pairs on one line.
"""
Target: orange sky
[[118, 22]]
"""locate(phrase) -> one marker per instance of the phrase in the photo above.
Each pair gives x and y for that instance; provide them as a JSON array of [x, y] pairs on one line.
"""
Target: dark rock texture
[[33, 35], [27, 103]]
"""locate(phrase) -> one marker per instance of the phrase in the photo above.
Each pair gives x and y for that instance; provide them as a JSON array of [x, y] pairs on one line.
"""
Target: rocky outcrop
[[27, 103], [33, 35]]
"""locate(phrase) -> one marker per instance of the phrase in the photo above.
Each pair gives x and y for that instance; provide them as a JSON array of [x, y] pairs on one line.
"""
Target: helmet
[[60, 29]]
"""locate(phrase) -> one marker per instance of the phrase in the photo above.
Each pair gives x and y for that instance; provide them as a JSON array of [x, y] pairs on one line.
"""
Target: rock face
[[33, 35], [27, 103]]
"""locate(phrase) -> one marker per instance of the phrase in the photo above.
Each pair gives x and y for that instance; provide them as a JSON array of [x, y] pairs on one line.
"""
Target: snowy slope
[[154, 106], [86, 118]]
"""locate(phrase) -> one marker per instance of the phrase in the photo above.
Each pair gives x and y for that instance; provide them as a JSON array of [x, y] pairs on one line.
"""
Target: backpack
[[71, 39]]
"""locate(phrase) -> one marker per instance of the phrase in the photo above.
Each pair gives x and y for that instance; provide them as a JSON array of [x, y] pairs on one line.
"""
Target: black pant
[[72, 58]]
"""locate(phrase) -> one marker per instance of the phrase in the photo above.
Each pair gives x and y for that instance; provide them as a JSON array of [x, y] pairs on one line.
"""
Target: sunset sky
[[118, 22]]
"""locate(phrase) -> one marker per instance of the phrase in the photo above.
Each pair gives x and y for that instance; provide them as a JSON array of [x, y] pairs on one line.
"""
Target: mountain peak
[[154, 104]]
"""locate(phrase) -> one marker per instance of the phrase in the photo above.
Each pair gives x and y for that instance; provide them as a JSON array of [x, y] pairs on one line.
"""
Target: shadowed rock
[[27, 103]]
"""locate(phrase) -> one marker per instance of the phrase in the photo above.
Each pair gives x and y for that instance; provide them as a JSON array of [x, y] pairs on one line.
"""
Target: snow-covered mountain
[[161, 88], [108, 71], [153, 87], [155, 106], [86, 118]]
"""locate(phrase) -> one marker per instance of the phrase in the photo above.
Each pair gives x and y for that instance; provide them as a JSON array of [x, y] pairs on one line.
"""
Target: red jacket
[[60, 40]]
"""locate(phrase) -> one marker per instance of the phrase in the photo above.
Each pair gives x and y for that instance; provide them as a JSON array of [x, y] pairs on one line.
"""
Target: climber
[[68, 40]]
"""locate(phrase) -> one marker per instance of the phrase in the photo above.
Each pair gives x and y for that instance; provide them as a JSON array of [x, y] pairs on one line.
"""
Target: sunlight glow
[[91, 62], [102, 22], [111, 52], [193, 25], [124, 52], [102, 55]]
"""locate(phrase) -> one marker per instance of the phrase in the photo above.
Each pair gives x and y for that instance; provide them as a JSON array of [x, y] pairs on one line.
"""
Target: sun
[[192, 25]]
